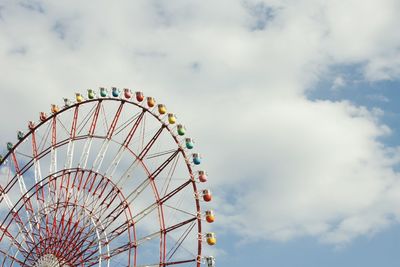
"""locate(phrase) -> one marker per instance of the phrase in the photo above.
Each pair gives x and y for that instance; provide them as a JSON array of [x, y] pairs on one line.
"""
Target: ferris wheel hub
[[49, 260]]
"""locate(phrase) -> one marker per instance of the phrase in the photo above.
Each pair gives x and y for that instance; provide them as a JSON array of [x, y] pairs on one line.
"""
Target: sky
[[293, 104]]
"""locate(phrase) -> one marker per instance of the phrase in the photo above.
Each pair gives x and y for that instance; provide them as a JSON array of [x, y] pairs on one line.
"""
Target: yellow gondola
[[171, 118], [162, 109], [54, 108], [211, 239], [79, 97]]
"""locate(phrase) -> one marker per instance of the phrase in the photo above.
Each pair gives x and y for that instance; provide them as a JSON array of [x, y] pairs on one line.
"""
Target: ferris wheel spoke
[[89, 255], [172, 193], [27, 234], [106, 223], [143, 185], [71, 142], [74, 236], [70, 154], [149, 145], [93, 259], [70, 238], [53, 151], [142, 240], [88, 144], [163, 165], [38, 172], [84, 251], [45, 137], [82, 191], [61, 209], [100, 157], [13, 240], [52, 186], [85, 153], [159, 154], [170, 175], [127, 174], [39, 192], [85, 248], [94, 112], [44, 213], [180, 241], [179, 210], [13, 258], [114, 122], [168, 263], [103, 112], [128, 122], [118, 231], [136, 191], [87, 187], [103, 206], [141, 214], [23, 190], [96, 192], [115, 162], [63, 126], [67, 236]]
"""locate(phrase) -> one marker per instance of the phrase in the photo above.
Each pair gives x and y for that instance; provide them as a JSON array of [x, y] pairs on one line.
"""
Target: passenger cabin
[[210, 218], [43, 116], [210, 261], [202, 176], [151, 102], [79, 97], [207, 197], [139, 96], [31, 125], [196, 158], [54, 108], [91, 94], [162, 109], [20, 135], [189, 143], [171, 118], [103, 92], [10, 146], [115, 91], [181, 129], [127, 93], [211, 239], [67, 102]]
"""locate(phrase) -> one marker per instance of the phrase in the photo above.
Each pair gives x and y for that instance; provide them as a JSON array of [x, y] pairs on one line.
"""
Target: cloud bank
[[283, 165]]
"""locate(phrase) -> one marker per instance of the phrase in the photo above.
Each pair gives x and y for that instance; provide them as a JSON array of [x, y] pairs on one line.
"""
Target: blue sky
[[293, 103]]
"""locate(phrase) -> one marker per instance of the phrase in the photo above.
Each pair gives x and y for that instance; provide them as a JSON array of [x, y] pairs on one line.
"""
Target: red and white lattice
[[105, 180]]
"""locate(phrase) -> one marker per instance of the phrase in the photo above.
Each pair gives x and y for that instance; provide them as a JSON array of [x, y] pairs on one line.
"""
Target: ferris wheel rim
[[122, 101]]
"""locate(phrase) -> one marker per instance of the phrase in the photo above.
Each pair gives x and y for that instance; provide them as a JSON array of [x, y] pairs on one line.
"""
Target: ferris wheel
[[108, 179]]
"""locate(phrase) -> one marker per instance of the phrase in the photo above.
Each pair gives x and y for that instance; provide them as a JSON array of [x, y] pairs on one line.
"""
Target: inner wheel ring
[[82, 226]]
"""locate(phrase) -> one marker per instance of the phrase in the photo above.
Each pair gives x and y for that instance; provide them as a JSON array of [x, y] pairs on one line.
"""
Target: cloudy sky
[[292, 102]]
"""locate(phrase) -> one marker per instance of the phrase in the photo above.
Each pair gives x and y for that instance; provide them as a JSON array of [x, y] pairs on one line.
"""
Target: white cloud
[[338, 82], [312, 174], [296, 167]]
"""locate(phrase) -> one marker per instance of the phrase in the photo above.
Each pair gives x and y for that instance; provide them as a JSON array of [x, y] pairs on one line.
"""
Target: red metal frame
[[61, 230]]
